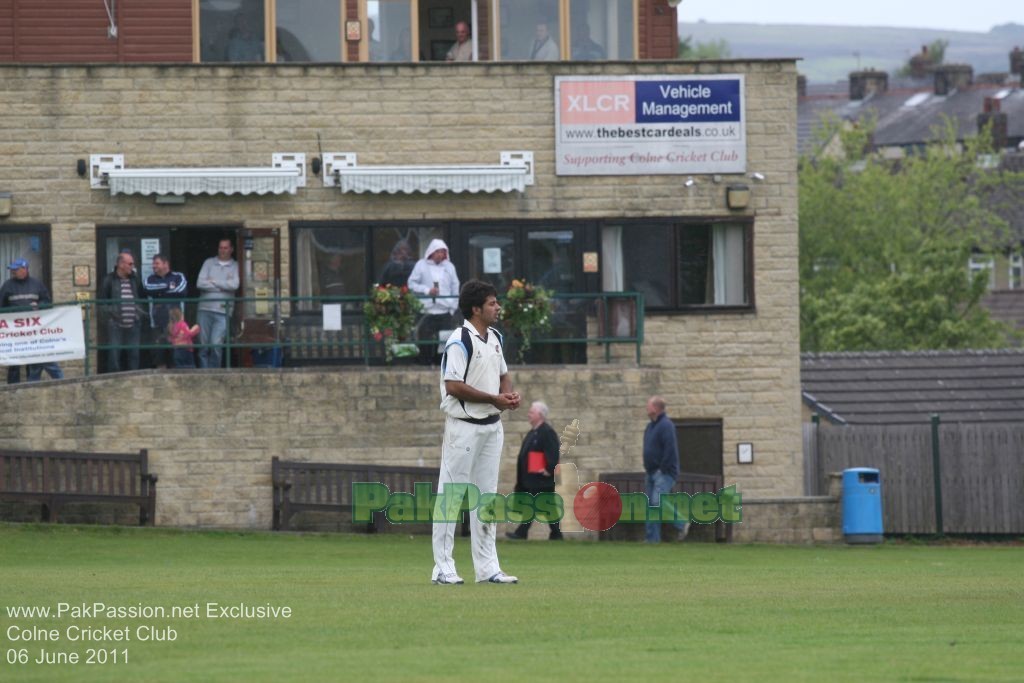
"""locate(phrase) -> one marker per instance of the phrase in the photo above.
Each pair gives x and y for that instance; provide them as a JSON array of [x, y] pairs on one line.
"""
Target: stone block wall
[[211, 434], [742, 368]]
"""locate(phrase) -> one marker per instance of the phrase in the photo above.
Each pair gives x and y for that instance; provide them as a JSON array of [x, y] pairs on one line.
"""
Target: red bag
[[536, 462]]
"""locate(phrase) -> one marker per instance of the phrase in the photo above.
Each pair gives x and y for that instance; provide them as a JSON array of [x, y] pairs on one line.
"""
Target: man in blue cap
[[25, 292]]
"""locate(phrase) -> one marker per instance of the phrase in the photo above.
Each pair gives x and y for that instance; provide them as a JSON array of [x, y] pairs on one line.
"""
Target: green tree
[[884, 247]]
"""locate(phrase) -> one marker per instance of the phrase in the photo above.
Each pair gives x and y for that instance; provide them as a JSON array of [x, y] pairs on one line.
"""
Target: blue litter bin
[[862, 505]]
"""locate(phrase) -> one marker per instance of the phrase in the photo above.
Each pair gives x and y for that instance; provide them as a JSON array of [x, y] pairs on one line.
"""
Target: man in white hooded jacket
[[435, 280]]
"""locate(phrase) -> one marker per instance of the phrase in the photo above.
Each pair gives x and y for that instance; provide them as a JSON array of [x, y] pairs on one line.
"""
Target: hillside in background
[[830, 53]]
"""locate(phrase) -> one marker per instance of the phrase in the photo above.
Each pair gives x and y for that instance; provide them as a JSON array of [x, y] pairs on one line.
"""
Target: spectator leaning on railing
[[123, 320], [164, 287], [217, 282], [434, 278], [24, 291]]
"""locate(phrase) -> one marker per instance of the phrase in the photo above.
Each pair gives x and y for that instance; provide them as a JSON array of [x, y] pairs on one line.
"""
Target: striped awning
[[513, 174], [285, 176]]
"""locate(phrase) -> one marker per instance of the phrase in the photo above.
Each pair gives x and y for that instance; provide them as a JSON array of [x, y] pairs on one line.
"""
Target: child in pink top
[[181, 336]]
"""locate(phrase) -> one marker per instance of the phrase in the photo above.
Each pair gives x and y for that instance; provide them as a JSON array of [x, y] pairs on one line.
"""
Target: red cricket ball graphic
[[597, 506]]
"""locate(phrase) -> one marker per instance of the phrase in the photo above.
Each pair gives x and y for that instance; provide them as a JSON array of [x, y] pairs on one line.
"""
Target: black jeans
[[428, 329]]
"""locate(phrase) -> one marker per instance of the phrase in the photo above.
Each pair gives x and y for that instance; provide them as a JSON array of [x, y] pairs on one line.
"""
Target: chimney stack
[[864, 83], [919, 64], [1017, 63], [801, 85], [950, 77], [991, 116]]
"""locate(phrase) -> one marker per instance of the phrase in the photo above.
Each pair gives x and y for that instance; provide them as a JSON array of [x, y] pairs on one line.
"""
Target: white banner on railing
[[47, 336]]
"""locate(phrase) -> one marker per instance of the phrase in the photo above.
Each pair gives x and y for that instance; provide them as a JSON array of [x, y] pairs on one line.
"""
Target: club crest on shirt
[[497, 348]]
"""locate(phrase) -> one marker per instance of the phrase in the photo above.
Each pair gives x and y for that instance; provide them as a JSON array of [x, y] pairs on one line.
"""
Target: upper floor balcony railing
[[294, 331]]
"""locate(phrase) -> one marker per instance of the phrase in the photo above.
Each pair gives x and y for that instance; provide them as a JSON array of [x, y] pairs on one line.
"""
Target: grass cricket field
[[208, 606]]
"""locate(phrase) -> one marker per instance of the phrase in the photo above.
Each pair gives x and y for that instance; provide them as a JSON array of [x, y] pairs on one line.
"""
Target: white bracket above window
[[100, 165], [334, 162], [519, 160], [295, 161]]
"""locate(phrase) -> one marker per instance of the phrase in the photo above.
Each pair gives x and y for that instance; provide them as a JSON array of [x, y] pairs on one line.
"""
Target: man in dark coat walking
[[535, 469]]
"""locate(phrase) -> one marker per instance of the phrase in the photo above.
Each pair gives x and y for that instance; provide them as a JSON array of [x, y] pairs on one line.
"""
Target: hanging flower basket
[[391, 314], [526, 312]]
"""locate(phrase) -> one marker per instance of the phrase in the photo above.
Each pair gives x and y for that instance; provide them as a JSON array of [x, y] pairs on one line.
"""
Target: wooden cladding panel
[[78, 31], [155, 31]]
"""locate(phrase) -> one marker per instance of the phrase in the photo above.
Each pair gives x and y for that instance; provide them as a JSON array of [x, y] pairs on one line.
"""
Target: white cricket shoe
[[448, 580], [501, 577]]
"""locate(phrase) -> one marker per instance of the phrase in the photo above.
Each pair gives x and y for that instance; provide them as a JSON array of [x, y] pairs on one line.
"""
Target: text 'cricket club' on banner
[[639, 125], [49, 335]]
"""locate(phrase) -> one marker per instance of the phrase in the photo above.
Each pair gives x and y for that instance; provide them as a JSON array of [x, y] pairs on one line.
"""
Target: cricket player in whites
[[475, 388]]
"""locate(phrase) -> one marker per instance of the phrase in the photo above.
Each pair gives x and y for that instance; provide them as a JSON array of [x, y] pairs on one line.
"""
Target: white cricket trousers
[[469, 455]]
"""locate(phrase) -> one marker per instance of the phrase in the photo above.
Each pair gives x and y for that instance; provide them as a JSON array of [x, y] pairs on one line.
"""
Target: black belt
[[489, 420]]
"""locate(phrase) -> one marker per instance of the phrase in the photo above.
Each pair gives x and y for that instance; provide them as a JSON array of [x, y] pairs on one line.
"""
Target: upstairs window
[[600, 29], [1016, 279], [980, 262], [232, 31], [308, 30]]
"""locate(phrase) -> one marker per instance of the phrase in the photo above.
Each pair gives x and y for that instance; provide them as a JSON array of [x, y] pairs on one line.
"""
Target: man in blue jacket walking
[[661, 461]]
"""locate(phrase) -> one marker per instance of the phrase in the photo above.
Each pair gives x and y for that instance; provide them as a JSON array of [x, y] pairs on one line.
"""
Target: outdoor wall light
[[737, 196], [82, 167], [759, 177], [690, 182], [315, 165], [5, 204], [169, 199]]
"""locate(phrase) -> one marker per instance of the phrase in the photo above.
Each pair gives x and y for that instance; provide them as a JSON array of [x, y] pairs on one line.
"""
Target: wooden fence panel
[[982, 478], [982, 473]]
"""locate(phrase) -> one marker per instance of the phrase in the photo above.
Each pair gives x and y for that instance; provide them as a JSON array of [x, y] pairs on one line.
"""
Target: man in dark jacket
[[122, 315], [535, 470], [24, 291], [661, 461], [165, 288]]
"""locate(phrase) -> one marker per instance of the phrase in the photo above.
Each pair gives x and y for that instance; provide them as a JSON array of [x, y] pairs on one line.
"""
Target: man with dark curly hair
[[475, 389]]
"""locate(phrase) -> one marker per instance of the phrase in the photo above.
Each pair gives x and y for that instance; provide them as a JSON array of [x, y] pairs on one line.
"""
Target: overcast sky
[[975, 15]]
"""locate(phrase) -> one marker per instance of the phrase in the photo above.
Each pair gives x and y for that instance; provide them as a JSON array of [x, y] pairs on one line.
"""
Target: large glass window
[[492, 256], [710, 263], [330, 262], [550, 259], [308, 30], [530, 30], [231, 31], [389, 29], [601, 29], [396, 250]]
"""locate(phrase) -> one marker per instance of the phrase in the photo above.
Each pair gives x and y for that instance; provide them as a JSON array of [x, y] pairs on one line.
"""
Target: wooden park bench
[[327, 487], [688, 482], [55, 478]]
